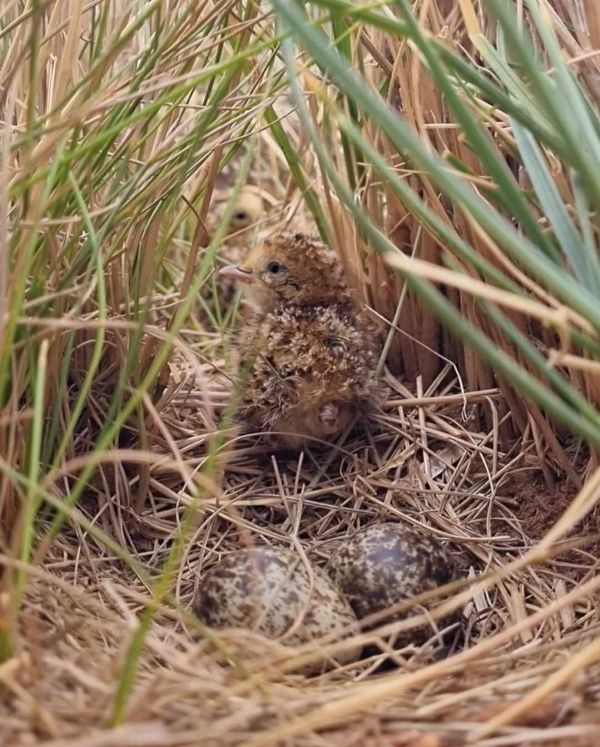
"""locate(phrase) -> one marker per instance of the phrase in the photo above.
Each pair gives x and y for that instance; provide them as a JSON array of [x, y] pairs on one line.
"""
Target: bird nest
[[527, 600]]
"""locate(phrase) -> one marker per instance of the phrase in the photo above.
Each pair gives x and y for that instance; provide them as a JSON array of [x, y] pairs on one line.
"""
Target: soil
[[539, 506]]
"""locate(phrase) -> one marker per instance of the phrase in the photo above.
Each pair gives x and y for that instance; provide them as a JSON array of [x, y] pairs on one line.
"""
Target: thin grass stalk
[[32, 503], [97, 350], [161, 586]]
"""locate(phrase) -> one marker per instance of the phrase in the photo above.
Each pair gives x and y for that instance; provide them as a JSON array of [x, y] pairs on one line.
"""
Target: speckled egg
[[384, 564], [267, 590]]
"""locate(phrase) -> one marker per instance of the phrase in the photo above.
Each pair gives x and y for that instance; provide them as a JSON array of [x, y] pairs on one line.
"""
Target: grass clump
[[450, 153]]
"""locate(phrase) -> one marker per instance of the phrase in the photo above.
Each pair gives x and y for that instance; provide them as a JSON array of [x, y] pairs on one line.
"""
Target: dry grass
[[428, 465], [105, 240]]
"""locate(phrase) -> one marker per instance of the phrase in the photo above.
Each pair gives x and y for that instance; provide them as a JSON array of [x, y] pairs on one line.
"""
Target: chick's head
[[290, 268], [248, 211]]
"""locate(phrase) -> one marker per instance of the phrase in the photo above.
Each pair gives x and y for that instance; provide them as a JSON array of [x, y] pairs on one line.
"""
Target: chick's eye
[[240, 215], [335, 343], [274, 268]]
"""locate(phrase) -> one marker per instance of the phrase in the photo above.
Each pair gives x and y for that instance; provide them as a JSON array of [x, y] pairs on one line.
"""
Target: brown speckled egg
[[266, 590], [384, 564]]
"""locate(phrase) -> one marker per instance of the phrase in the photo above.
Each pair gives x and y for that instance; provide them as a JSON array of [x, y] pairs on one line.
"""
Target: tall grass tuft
[[486, 168], [117, 121]]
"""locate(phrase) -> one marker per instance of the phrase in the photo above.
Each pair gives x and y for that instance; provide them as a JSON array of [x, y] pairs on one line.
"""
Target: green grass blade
[[508, 193], [161, 586], [407, 141], [555, 210]]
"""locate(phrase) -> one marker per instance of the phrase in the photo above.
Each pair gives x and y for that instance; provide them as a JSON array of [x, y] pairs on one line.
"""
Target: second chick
[[219, 293]]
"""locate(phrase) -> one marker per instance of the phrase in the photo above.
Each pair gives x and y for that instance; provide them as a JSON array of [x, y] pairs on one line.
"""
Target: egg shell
[[267, 590], [388, 563]]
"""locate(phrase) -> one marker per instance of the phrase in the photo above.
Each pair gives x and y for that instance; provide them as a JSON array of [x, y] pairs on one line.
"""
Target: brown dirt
[[540, 505]]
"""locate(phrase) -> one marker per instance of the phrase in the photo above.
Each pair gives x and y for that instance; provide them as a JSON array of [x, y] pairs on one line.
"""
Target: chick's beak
[[237, 273]]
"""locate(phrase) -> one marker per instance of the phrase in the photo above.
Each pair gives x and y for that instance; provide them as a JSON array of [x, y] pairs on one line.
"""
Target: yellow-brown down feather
[[311, 273], [299, 360], [307, 360]]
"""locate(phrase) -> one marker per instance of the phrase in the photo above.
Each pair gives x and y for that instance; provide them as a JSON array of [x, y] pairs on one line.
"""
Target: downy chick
[[246, 215], [306, 356]]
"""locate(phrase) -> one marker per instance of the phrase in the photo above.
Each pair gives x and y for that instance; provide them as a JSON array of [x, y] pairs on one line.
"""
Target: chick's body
[[307, 360], [309, 369]]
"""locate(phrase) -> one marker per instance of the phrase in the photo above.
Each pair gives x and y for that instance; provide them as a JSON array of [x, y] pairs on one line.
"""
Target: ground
[[420, 464]]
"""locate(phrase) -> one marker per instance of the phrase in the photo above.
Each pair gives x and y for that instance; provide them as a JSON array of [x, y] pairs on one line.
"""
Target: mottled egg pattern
[[385, 564], [267, 590]]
